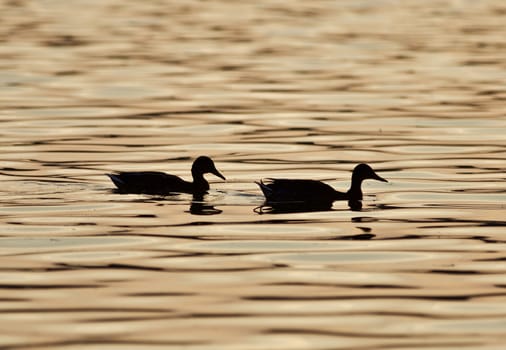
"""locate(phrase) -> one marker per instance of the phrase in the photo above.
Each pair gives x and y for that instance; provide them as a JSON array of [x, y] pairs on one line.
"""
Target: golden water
[[303, 89]]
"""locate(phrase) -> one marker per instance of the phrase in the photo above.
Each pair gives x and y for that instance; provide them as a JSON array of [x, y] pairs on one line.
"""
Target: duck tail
[[267, 191], [116, 179]]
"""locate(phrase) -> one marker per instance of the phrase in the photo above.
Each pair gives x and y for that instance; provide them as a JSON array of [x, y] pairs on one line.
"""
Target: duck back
[[301, 191], [150, 182]]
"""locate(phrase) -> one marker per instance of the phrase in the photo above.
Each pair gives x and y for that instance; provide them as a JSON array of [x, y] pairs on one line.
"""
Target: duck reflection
[[289, 207], [299, 207], [199, 207]]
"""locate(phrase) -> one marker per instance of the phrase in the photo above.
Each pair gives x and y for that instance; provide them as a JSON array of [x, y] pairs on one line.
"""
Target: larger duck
[[312, 194], [159, 183]]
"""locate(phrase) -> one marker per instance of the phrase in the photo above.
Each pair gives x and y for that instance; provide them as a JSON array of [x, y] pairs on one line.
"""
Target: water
[[267, 89]]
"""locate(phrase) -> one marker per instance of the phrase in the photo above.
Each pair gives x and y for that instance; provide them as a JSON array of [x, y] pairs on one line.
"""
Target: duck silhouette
[[159, 183], [285, 195]]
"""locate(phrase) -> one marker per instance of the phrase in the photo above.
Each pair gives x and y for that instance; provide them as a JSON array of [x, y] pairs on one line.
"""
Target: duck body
[[159, 183], [152, 182], [315, 194], [299, 192]]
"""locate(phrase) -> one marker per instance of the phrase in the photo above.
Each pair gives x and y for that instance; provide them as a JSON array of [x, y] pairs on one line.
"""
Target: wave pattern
[[267, 89]]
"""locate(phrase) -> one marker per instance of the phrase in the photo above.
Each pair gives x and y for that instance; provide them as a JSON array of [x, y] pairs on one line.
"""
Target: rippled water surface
[[303, 89]]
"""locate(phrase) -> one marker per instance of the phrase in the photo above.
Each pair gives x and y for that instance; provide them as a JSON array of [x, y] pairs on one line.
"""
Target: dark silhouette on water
[[155, 182], [292, 195], [199, 207]]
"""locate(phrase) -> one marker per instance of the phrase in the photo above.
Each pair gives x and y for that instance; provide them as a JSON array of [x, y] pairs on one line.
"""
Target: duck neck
[[355, 191], [200, 184]]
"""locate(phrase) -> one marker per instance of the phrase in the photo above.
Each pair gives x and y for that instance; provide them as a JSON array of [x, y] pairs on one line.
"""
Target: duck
[[159, 183], [315, 195]]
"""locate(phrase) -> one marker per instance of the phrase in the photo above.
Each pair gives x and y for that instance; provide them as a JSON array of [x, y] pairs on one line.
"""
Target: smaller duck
[[306, 195], [159, 183]]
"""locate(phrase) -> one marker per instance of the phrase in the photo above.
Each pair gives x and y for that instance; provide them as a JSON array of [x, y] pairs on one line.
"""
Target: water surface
[[267, 89]]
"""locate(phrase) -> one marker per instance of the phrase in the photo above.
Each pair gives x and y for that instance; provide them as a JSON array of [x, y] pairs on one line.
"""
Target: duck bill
[[217, 173], [379, 178]]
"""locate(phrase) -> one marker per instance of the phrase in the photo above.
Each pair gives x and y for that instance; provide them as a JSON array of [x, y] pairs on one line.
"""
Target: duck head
[[360, 173], [203, 165], [364, 172]]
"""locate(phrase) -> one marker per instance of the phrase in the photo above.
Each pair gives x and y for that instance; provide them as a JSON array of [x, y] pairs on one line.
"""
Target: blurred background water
[[303, 89]]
